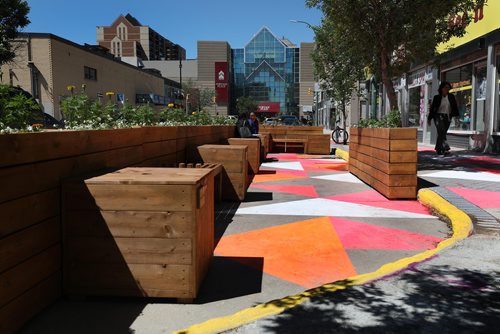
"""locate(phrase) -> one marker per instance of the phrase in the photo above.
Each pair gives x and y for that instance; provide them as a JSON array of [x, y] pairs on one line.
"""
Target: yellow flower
[[110, 93], [194, 113], [71, 88]]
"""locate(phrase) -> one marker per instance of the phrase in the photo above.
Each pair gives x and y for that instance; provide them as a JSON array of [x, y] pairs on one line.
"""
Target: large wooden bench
[[234, 159], [146, 232], [309, 138]]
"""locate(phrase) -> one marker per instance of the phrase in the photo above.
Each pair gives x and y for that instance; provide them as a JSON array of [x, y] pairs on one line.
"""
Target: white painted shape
[[321, 207], [342, 177], [284, 165], [475, 176]]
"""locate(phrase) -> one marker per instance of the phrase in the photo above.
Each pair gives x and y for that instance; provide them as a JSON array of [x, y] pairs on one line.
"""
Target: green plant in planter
[[78, 109], [390, 120], [16, 111], [173, 116]]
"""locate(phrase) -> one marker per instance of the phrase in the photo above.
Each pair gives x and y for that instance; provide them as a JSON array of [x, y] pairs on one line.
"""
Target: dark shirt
[[436, 103], [254, 126]]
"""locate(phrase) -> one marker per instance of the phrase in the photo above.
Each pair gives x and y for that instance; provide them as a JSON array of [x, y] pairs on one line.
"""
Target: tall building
[[273, 71], [133, 42]]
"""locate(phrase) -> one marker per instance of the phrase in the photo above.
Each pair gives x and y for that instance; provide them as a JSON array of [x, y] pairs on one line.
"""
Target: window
[[497, 127], [89, 73], [461, 82], [480, 97]]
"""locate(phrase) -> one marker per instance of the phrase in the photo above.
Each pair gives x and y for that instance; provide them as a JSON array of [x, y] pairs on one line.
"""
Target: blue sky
[[183, 21]]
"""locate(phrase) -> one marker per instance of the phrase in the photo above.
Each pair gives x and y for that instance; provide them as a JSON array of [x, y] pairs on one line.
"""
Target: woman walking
[[444, 107]]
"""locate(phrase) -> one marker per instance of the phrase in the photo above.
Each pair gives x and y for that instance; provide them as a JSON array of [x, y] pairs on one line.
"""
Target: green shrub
[[16, 111], [390, 120]]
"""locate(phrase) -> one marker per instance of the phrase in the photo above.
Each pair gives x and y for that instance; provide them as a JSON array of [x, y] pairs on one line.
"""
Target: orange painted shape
[[259, 178], [308, 253]]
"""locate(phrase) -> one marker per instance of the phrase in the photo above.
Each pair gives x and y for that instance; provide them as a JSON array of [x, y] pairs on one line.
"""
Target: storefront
[[421, 86], [474, 78]]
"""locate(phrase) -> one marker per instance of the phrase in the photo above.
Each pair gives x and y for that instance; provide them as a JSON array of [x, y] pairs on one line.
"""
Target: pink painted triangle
[[307, 191], [357, 235], [482, 198], [373, 198]]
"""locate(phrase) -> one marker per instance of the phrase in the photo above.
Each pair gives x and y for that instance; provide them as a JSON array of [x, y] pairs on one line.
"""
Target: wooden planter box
[[234, 159], [138, 232], [386, 159], [253, 145]]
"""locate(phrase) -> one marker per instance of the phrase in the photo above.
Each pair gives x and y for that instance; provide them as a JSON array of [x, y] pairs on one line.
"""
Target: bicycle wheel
[[336, 135], [340, 136]]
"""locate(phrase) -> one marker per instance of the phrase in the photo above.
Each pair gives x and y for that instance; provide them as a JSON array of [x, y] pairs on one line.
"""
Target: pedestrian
[[243, 126], [443, 108], [254, 124]]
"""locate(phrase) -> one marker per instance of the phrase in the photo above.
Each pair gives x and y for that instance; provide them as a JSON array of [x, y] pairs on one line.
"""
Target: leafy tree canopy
[[246, 105], [13, 16], [390, 35]]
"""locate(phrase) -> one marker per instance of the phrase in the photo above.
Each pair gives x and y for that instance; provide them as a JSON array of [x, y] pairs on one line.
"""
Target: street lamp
[[304, 22]]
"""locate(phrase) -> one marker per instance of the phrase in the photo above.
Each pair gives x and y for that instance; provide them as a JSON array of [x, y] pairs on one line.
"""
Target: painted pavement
[[312, 223]]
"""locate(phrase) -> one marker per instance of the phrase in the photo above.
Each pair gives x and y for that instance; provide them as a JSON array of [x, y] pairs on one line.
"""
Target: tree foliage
[[13, 16], [206, 98], [246, 104], [338, 65], [390, 35]]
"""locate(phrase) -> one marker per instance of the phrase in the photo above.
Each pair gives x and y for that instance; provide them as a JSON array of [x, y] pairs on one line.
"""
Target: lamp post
[[180, 77], [313, 28]]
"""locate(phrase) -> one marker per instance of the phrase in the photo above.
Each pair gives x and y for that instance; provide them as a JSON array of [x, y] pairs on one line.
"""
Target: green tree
[[391, 35], [337, 64], [13, 16], [246, 104], [206, 98]]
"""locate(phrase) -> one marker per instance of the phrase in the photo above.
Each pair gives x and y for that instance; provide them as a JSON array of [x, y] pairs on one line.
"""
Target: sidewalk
[[305, 222]]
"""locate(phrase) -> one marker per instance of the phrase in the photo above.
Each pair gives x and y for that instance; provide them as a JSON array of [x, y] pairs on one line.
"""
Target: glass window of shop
[[461, 82], [497, 125], [480, 96], [416, 109]]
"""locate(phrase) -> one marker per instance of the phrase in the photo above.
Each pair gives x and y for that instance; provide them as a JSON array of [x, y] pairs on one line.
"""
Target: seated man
[[254, 124]]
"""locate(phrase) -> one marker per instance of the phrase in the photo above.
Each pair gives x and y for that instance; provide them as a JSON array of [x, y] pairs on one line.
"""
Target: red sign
[[221, 82], [273, 107]]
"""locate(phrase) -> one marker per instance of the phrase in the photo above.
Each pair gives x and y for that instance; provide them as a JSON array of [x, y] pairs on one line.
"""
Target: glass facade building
[[267, 70]]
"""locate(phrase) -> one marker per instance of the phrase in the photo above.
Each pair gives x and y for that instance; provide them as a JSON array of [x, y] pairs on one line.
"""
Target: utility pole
[[180, 78]]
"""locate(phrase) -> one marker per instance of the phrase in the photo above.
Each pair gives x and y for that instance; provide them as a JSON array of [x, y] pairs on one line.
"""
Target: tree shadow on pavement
[[431, 300]]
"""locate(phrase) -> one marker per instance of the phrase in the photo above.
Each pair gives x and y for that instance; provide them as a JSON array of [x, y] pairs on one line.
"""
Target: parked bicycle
[[340, 135]]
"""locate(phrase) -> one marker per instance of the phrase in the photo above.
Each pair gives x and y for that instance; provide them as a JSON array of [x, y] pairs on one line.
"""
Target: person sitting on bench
[[254, 124]]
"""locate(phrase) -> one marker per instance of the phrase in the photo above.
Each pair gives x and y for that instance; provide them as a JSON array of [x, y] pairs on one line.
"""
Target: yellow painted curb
[[461, 226], [342, 154]]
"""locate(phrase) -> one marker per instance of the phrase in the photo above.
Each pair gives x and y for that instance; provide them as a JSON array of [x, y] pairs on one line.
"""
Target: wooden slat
[[15, 314], [21, 278], [20, 246], [127, 198], [386, 167], [130, 250], [129, 224], [24, 212], [19, 148], [161, 148]]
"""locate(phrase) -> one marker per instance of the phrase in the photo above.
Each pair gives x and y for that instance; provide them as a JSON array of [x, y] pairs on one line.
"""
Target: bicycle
[[340, 135]]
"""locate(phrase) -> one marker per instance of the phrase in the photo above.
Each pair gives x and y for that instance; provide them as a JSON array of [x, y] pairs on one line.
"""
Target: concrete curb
[[461, 226], [342, 154]]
